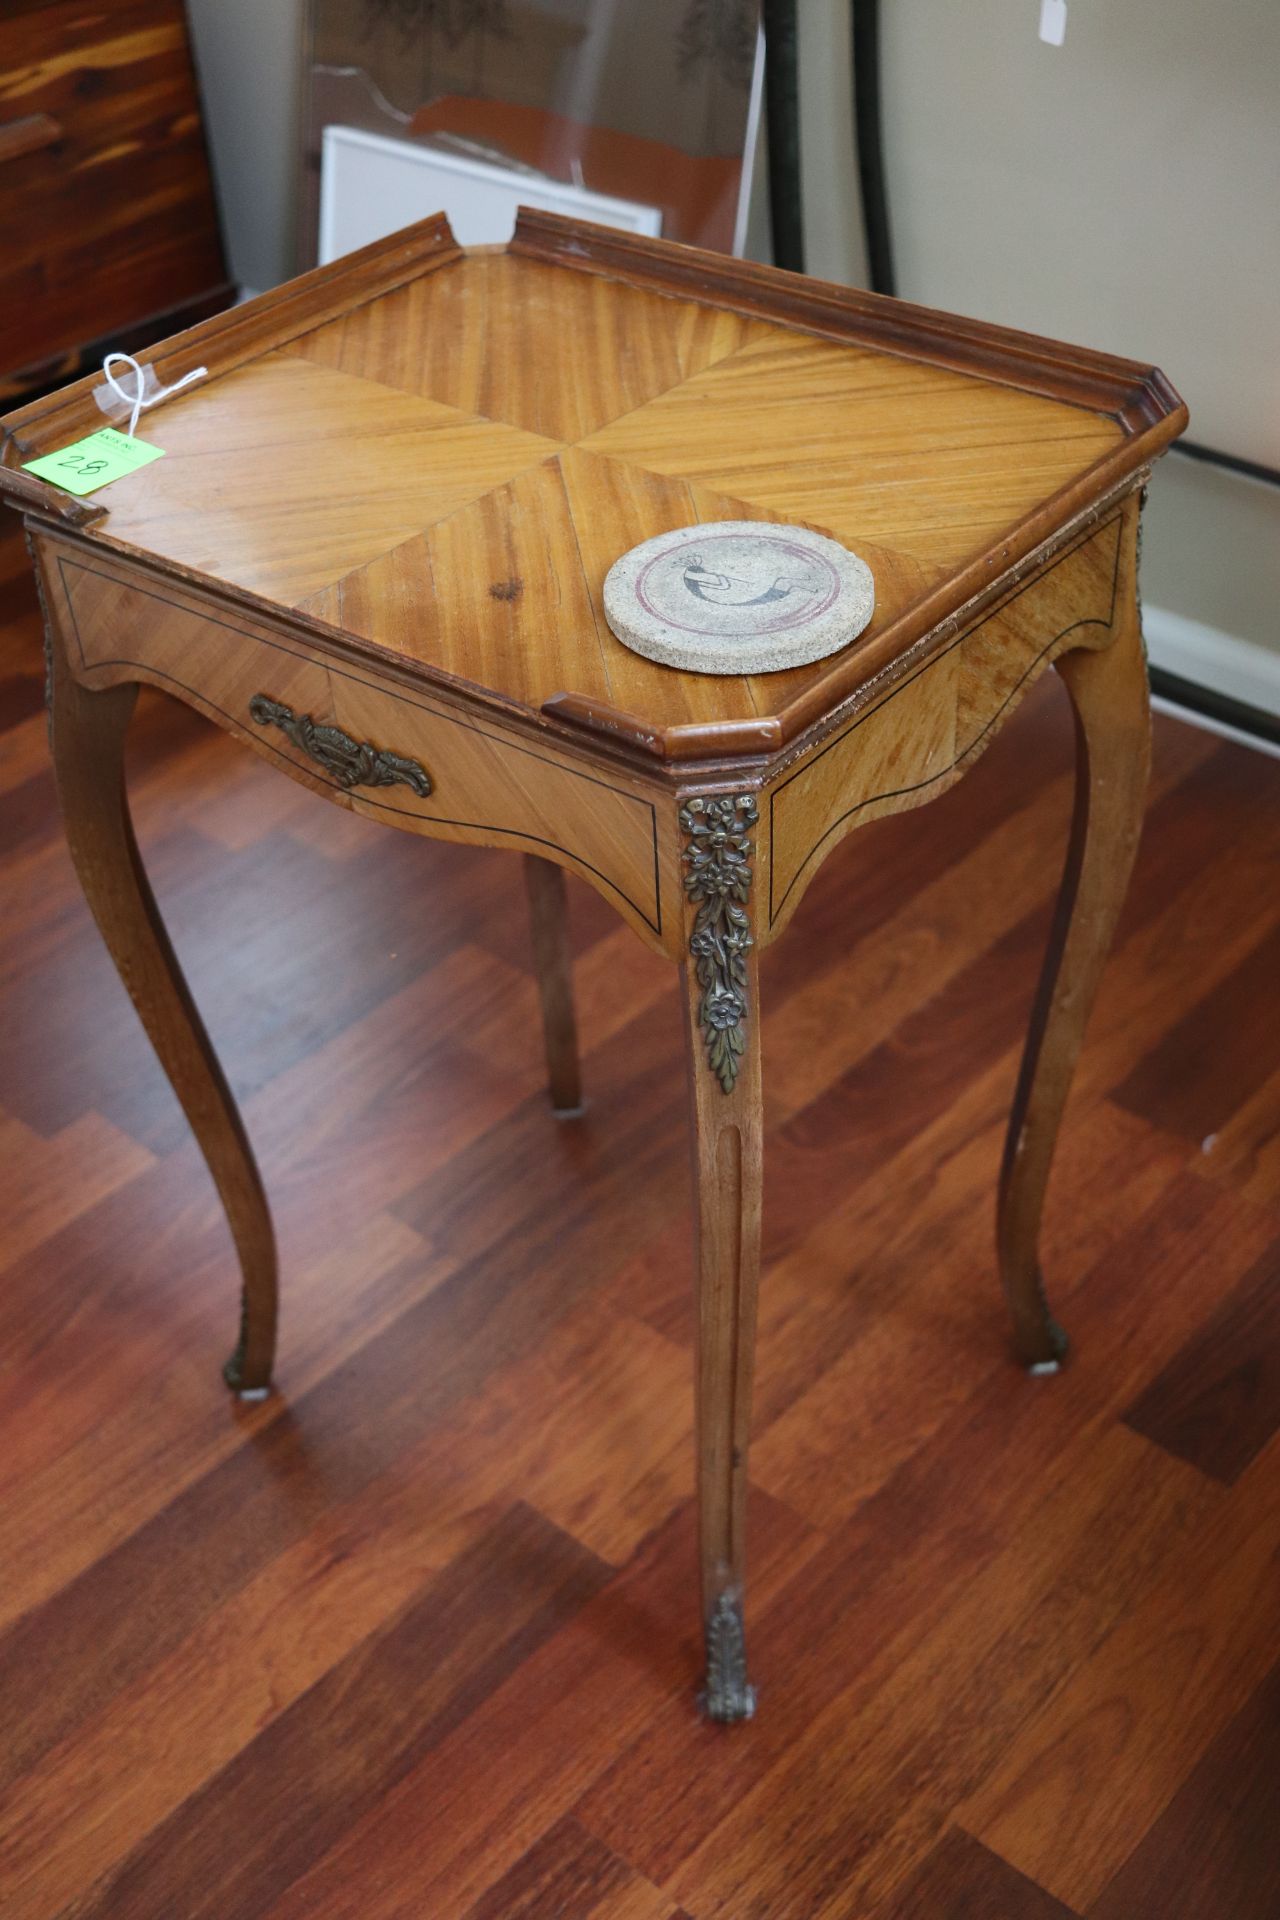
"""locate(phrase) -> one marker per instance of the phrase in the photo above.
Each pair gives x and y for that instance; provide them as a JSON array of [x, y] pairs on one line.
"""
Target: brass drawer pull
[[352, 763]]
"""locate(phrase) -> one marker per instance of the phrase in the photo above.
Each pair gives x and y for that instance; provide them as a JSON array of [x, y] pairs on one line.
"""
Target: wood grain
[[490, 1352], [1217, 1403], [930, 477], [589, 351], [726, 1121], [28, 134], [1209, 1066], [727, 1139], [526, 619], [964, 1881], [1134, 1719], [912, 744], [867, 1823], [1108, 690], [102, 157], [1213, 1849], [488, 783], [1245, 1152], [315, 474], [568, 1872], [558, 1721], [87, 738], [398, 1694], [1078, 374], [951, 1509], [454, 1562], [232, 337], [449, 451]]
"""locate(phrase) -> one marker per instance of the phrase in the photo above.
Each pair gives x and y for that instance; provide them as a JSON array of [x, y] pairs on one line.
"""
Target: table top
[[439, 455]]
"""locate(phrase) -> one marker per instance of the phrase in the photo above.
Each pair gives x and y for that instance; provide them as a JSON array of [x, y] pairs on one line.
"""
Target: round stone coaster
[[738, 596]]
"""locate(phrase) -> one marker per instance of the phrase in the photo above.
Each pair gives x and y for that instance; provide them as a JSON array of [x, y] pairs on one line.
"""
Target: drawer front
[[102, 162], [119, 629], [506, 789], [393, 754]]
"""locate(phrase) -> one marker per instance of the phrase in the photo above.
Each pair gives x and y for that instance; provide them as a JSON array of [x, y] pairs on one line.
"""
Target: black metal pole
[[870, 144], [782, 108], [1229, 462]]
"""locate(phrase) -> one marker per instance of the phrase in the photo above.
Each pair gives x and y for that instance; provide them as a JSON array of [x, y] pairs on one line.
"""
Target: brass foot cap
[[1059, 1346], [233, 1374], [727, 1711]]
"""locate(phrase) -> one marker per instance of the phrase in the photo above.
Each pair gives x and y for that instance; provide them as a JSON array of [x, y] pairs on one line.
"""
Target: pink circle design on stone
[[801, 617]]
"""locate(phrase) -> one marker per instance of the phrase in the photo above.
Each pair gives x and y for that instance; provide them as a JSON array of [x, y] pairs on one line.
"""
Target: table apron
[[930, 726], [431, 767]]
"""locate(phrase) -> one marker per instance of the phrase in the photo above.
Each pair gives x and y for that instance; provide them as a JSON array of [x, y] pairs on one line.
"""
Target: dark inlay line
[[874, 873], [970, 633]]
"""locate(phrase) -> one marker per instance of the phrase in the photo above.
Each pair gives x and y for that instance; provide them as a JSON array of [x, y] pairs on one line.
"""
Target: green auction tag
[[92, 462]]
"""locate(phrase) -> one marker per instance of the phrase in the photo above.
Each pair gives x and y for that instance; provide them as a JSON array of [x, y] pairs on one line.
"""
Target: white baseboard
[[1213, 659], [1252, 740]]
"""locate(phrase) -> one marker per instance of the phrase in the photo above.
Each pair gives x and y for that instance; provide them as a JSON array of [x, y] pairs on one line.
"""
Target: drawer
[[503, 788], [395, 754], [120, 628]]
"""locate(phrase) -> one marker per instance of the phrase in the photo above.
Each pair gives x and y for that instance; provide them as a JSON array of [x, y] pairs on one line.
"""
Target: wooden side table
[[375, 551]]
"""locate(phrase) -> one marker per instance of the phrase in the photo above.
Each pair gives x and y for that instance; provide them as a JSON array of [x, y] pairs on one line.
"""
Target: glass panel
[[654, 104]]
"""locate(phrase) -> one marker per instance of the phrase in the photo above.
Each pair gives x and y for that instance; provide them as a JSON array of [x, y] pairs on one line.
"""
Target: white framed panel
[[371, 186]]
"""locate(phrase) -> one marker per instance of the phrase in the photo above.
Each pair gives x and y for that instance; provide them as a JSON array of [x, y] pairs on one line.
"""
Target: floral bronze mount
[[718, 857]]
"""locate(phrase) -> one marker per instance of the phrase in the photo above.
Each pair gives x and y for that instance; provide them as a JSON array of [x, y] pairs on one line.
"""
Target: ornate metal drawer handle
[[352, 763]]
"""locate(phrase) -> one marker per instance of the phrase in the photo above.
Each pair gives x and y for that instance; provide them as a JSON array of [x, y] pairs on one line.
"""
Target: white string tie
[[139, 398]]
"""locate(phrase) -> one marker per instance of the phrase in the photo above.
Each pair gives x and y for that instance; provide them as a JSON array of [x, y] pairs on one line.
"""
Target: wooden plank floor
[[415, 1639]]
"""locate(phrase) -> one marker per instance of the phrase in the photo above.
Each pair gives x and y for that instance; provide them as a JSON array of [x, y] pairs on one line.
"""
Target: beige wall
[[1121, 191], [833, 241], [1211, 550]]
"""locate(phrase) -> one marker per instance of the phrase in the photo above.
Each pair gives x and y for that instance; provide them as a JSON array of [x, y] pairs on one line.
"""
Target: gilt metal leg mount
[[718, 857], [723, 1032]]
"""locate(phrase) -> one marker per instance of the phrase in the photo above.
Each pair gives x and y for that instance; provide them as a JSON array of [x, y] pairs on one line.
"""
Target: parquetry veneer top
[[440, 455]]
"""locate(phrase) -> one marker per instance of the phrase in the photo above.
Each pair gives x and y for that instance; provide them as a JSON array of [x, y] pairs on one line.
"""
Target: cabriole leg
[[1108, 692], [87, 732]]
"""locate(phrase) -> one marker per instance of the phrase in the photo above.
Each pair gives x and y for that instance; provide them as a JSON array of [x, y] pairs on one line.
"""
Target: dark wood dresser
[[108, 225]]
